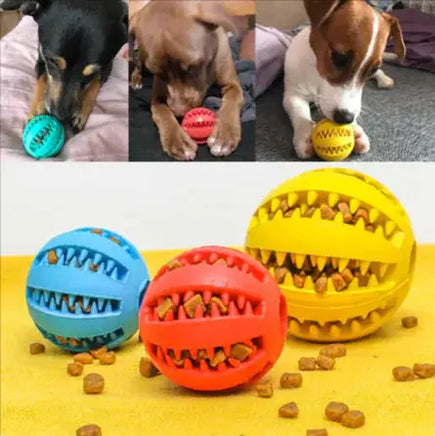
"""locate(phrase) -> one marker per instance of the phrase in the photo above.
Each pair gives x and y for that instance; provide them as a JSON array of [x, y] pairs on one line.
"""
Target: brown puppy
[[184, 44]]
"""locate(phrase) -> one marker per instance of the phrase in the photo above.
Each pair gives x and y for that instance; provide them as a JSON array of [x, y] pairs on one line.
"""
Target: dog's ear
[[26, 7], [320, 10], [213, 14], [396, 34]]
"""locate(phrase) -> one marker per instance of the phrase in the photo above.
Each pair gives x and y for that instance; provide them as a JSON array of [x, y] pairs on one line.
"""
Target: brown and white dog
[[185, 46], [329, 63]]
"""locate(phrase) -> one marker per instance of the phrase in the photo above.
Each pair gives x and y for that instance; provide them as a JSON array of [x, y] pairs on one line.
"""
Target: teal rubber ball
[[43, 137]]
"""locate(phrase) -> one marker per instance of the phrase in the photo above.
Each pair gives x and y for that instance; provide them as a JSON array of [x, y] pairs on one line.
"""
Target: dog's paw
[[136, 79], [78, 122], [302, 142], [225, 138], [385, 83], [179, 145], [37, 108], [362, 142]]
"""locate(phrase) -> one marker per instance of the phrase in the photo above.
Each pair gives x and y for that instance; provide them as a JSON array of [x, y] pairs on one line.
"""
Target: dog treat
[[353, 419], [75, 368], [36, 348], [173, 264], [289, 410], [108, 358], [115, 240], [84, 358], [240, 351], [93, 383], [264, 388], [190, 305], [424, 370], [147, 369], [89, 430], [97, 231], [409, 322], [334, 411], [165, 307], [299, 280], [291, 380], [347, 275], [307, 363], [318, 432], [280, 273], [403, 373], [338, 281], [327, 212], [52, 257], [333, 350], [95, 353], [325, 362], [218, 357], [321, 285]]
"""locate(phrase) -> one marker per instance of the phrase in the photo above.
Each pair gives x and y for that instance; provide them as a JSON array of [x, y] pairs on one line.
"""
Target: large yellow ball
[[342, 249], [333, 142]]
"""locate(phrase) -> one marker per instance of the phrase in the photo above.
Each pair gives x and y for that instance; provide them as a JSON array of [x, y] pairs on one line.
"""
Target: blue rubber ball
[[43, 137], [84, 289]]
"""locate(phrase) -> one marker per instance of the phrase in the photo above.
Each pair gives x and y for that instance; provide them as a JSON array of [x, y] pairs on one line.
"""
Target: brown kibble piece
[[280, 273], [220, 304], [75, 368], [334, 411], [353, 419], [174, 264], [362, 213], [290, 380], [94, 267], [403, 373], [52, 257], [190, 305], [424, 370], [347, 275], [240, 351], [338, 281], [321, 285], [289, 410], [309, 212], [344, 209], [334, 350], [97, 231], [147, 369], [93, 383], [283, 205], [218, 357], [108, 358], [97, 351], [36, 348], [264, 388], [363, 280], [325, 362], [299, 280], [317, 432], [201, 355], [165, 307], [89, 430], [289, 213], [409, 322], [307, 363], [115, 240], [327, 212], [84, 358]]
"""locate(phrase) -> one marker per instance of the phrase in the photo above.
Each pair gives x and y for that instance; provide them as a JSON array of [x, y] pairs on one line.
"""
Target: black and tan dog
[[78, 40]]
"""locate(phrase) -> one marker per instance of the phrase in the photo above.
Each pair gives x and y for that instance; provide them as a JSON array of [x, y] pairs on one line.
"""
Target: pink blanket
[[105, 137]]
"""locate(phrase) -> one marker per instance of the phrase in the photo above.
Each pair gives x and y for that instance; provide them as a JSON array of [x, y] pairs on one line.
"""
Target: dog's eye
[[341, 60]]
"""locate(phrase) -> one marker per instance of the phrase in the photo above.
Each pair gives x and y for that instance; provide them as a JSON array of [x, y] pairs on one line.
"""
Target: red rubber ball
[[198, 123], [213, 319]]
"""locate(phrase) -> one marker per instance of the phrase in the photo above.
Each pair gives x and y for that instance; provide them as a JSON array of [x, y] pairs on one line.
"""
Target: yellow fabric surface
[[39, 398]]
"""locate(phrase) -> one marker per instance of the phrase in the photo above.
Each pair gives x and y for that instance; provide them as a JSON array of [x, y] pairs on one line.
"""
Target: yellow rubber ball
[[333, 142]]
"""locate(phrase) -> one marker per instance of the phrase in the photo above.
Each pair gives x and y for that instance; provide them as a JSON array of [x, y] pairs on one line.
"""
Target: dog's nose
[[342, 116]]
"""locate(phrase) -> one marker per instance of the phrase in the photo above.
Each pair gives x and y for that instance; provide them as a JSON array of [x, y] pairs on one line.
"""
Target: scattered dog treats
[[325, 362], [93, 383], [291, 380], [264, 388], [36, 348], [307, 363], [84, 358], [333, 350], [289, 410], [334, 411], [353, 419], [424, 370], [89, 430], [97, 351], [403, 373], [108, 358], [147, 369], [409, 322], [318, 432], [75, 368]]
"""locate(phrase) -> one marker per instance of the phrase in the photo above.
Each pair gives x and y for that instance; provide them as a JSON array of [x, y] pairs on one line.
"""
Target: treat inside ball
[[43, 137], [342, 249], [333, 142], [198, 124], [84, 289], [213, 319]]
